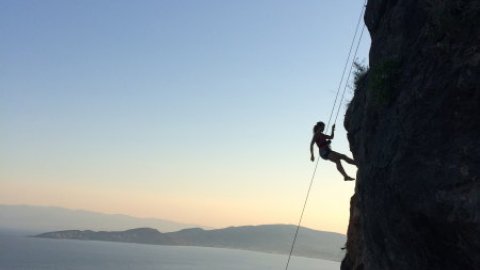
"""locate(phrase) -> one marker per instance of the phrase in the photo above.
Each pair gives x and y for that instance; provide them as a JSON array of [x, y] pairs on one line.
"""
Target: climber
[[323, 142]]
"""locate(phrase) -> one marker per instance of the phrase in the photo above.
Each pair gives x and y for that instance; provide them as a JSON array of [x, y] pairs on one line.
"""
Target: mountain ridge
[[270, 238], [53, 218]]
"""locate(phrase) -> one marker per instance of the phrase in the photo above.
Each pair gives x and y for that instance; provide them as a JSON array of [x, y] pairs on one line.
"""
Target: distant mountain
[[265, 238], [41, 218]]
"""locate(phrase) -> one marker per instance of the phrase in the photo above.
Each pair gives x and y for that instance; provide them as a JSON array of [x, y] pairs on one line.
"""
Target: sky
[[193, 111]]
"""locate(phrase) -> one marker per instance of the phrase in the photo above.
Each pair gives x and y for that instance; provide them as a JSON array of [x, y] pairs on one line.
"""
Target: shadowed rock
[[414, 129]]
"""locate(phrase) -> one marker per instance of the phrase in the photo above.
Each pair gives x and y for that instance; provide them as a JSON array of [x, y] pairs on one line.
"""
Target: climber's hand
[[312, 158], [333, 127]]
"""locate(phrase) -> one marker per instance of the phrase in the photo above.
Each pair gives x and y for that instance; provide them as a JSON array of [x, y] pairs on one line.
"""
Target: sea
[[22, 252]]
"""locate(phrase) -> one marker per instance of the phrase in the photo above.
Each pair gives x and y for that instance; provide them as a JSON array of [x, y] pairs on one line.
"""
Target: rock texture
[[414, 130]]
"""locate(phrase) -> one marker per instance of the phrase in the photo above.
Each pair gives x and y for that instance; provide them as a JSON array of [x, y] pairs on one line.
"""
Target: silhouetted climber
[[323, 143]]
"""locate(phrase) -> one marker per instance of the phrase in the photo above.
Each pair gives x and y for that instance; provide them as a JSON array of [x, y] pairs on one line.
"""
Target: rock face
[[414, 130]]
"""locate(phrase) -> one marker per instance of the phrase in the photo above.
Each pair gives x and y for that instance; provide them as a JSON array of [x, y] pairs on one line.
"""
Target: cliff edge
[[414, 130]]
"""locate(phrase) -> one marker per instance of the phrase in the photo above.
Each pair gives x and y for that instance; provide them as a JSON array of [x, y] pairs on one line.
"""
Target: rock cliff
[[414, 130]]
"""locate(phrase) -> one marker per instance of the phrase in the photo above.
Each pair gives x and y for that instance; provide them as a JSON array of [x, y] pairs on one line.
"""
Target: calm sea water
[[18, 252]]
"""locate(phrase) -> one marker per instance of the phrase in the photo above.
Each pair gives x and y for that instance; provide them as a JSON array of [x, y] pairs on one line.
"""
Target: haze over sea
[[27, 253]]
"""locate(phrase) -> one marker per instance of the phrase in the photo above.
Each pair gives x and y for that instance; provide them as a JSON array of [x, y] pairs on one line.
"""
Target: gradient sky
[[194, 111]]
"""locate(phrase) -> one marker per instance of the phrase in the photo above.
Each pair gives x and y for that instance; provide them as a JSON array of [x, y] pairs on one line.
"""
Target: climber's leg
[[347, 159], [335, 157]]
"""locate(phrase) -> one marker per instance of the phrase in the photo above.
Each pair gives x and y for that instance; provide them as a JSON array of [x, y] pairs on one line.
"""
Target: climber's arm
[[312, 157], [332, 135]]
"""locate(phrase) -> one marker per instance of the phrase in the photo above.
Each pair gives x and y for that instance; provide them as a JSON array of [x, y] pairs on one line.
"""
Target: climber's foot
[[348, 178]]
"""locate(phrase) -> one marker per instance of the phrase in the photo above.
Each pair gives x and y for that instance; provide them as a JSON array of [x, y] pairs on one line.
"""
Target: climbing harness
[[330, 118]]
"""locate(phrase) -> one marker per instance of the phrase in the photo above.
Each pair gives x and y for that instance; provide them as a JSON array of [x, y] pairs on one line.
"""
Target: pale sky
[[194, 111]]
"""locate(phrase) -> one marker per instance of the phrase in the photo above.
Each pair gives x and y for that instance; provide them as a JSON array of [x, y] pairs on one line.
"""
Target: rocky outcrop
[[414, 130]]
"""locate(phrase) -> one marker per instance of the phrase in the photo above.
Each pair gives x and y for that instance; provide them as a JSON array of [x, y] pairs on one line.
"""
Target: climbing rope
[[329, 120], [346, 65], [349, 73], [301, 215]]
